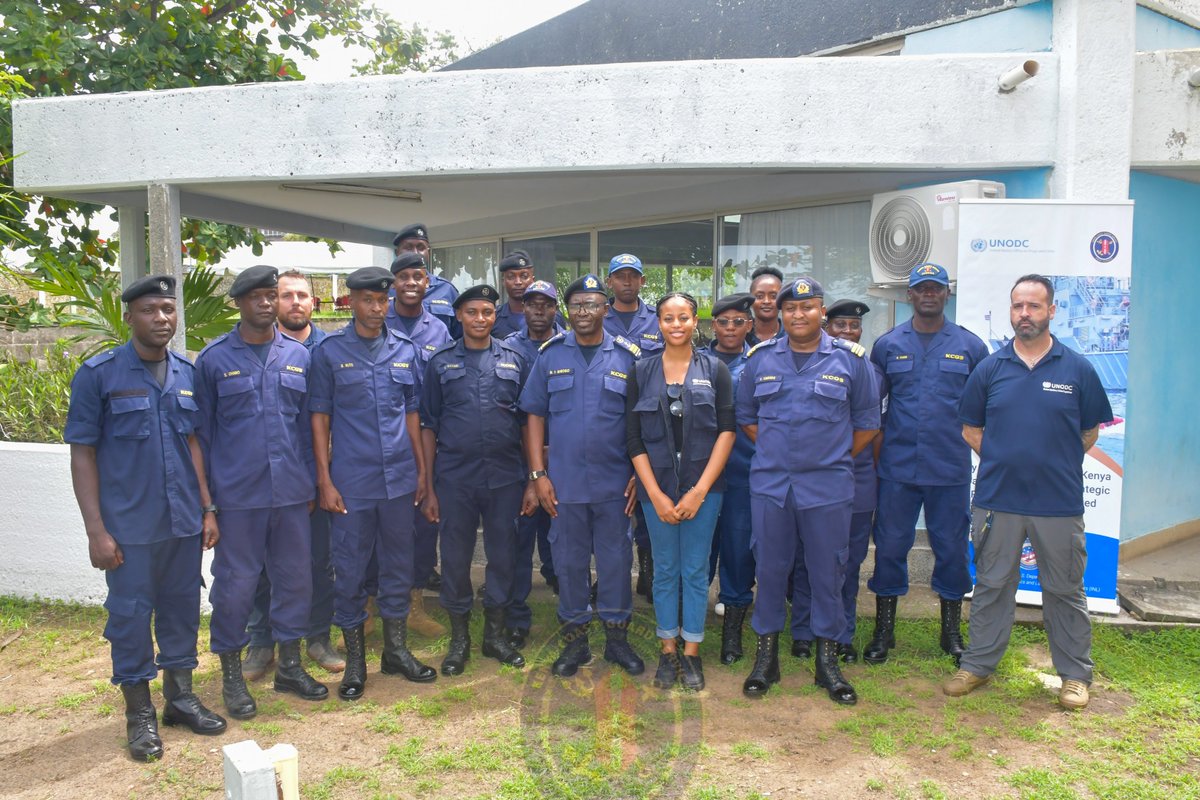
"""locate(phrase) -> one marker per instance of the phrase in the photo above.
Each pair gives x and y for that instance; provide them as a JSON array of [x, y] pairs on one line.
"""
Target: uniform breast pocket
[[704, 407], [650, 419], [185, 416], [292, 388], [898, 373], [829, 401], [350, 389], [130, 416], [508, 387], [953, 373], [560, 388], [612, 398], [402, 382], [236, 397], [766, 395], [454, 388]]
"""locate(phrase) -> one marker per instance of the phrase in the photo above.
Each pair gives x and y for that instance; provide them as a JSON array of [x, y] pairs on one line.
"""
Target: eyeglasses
[[585, 308], [726, 322], [675, 395]]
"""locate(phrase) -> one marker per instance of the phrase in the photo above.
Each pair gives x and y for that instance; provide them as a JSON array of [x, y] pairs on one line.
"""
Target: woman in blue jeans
[[680, 430]]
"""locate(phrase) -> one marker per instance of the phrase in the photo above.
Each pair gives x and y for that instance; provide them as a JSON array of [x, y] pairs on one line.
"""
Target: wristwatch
[[537, 473], [210, 507]]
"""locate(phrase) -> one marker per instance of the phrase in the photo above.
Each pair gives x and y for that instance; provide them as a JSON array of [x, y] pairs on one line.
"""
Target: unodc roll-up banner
[[1084, 249]]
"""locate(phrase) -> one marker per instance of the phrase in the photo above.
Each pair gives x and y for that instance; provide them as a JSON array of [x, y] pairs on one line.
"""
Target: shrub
[[35, 394]]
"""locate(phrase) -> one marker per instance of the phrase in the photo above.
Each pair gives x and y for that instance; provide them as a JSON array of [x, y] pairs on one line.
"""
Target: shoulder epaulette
[[287, 335], [759, 346], [558, 337], [213, 343], [628, 345], [853, 347], [447, 346], [100, 358]]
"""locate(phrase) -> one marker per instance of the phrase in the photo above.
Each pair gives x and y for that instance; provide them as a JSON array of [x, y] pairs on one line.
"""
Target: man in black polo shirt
[[1031, 410]]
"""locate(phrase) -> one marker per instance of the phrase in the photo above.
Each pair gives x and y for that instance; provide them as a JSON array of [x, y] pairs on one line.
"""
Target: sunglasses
[[726, 322], [675, 395]]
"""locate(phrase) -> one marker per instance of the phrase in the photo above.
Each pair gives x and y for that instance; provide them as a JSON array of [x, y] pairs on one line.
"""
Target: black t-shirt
[[589, 351], [800, 359], [159, 370]]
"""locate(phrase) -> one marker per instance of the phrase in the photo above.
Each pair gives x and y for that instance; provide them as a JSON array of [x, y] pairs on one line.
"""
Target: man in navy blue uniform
[[843, 321], [765, 283], [363, 395], [923, 460], [470, 420], [632, 319], [811, 404], [731, 540], [252, 387], [440, 294], [576, 394], [533, 526], [138, 475], [1031, 411], [295, 318], [409, 316]]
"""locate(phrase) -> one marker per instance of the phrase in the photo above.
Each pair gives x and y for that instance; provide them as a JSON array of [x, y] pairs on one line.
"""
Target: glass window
[[675, 257], [830, 243], [467, 265], [558, 259]]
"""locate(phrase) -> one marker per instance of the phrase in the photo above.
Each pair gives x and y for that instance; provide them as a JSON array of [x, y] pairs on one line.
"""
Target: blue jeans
[[681, 558]]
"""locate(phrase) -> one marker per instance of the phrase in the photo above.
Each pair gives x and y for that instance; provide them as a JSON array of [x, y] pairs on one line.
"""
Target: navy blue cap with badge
[[740, 301], [625, 261], [376, 279], [517, 259], [260, 276], [480, 292], [803, 288], [584, 283], [407, 261], [847, 308], [544, 288], [928, 272], [150, 286], [415, 231]]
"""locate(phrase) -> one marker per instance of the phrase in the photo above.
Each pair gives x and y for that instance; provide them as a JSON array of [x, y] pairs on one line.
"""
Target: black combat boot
[[766, 666], [668, 671], [952, 642], [645, 580], [802, 648], [829, 674], [617, 650], [495, 642], [290, 676], [354, 678], [691, 672], [731, 634], [575, 652], [516, 637], [459, 651], [183, 707], [847, 653], [884, 638], [238, 701], [141, 724], [397, 659]]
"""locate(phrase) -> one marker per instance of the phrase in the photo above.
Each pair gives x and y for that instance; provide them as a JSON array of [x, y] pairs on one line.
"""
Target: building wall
[[1163, 433], [1025, 29]]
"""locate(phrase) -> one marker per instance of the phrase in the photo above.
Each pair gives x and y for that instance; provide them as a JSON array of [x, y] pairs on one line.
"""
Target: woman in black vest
[[680, 426]]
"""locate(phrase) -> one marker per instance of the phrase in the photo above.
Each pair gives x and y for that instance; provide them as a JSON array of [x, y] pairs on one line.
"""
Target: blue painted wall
[[1025, 29], [1162, 437], [1153, 31]]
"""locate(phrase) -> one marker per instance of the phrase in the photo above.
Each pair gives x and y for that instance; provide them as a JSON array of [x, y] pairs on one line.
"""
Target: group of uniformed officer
[[348, 455]]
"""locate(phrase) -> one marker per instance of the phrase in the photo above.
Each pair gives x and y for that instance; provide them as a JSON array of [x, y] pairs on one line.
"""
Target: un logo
[[978, 245]]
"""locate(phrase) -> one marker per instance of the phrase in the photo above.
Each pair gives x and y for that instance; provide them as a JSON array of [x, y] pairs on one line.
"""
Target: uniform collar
[[236, 340], [782, 344], [945, 330], [640, 311], [353, 336], [134, 361], [606, 344], [712, 348], [1009, 351]]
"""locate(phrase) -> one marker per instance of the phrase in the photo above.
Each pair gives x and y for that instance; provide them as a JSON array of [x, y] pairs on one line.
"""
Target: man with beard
[[1031, 410], [923, 460]]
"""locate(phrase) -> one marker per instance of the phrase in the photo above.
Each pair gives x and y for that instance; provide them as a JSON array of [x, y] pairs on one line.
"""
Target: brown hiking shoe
[[963, 682], [1073, 695], [320, 650], [257, 661], [420, 621]]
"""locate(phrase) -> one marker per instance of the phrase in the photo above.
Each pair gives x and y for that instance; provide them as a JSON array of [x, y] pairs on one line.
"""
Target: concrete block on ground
[[249, 773]]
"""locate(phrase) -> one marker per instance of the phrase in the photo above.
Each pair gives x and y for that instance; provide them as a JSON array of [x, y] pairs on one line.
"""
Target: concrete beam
[[1167, 110], [1186, 11], [166, 248], [131, 222]]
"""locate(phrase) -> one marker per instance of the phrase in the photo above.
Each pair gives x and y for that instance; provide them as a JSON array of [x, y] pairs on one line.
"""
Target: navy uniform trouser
[[731, 549], [277, 539], [579, 530], [948, 520], [159, 582], [531, 530], [641, 533], [383, 527], [321, 615], [782, 536], [860, 540], [461, 510], [424, 556]]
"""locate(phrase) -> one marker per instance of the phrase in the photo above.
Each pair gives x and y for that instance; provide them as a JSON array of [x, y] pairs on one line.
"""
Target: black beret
[[415, 231], [150, 286], [802, 288], [733, 302], [260, 276], [847, 308], [377, 279], [584, 283], [480, 292], [407, 261], [517, 259]]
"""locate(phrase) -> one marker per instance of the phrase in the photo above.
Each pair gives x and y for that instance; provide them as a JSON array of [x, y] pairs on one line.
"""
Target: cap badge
[[590, 283], [162, 286], [626, 259], [802, 287], [383, 285], [420, 232], [928, 269], [522, 263]]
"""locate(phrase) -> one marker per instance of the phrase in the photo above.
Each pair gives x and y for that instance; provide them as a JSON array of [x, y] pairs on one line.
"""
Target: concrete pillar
[[1094, 40], [166, 247], [132, 237]]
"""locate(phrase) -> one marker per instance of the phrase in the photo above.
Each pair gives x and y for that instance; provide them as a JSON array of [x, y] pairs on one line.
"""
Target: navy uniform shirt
[[527, 347], [866, 480], [148, 486], [737, 468], [469, 400], [1033, 420], [315, 335], [806, 420], [509, 322], [367, 400], [439, 301], [429, 333], [643, 329], [254, 427], [922, 441], [584, 408]]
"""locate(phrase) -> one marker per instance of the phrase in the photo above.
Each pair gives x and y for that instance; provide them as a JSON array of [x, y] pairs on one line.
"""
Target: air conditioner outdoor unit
[[918, 225]]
